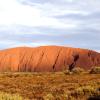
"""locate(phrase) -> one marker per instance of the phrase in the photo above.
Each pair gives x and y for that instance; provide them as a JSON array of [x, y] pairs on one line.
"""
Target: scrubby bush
[[95, 70], [94, 98], [85, 90], [77, 70], [6, 96], [95, 95], [66, 72], [49, 97]]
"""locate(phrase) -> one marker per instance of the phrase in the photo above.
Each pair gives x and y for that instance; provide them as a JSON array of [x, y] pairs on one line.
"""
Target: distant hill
[[47, 58]]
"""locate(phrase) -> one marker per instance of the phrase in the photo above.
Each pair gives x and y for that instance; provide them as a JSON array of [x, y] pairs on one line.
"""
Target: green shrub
[[95, 70], [6, 96]]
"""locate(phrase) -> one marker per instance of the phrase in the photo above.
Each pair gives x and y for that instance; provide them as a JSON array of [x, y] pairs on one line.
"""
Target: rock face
[[47, 58]]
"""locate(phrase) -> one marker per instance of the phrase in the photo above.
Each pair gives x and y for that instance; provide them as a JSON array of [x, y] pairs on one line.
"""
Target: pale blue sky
[[74, 23]]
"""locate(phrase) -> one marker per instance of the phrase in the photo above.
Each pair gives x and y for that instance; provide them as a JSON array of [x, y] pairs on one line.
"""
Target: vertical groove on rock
[[56, 60], [72, 65], [2, 58], [40, 60], [4, 61], [89, 53], [30, 68], [21, 67], [48, 61], [92, 57], [49, 58]]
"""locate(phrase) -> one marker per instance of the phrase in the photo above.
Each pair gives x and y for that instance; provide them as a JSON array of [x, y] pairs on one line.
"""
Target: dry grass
[[6, 96], [51, 86]]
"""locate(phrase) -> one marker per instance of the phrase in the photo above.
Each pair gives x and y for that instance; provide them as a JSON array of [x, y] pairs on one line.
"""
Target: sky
[[74, 23]]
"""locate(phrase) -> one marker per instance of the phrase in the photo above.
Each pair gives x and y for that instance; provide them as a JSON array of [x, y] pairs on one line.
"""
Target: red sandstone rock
[[47, 58]]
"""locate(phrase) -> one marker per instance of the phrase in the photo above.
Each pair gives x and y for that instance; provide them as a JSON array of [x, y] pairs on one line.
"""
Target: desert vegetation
[[76, 70], [6, 96], [95, 70], [50, 85]]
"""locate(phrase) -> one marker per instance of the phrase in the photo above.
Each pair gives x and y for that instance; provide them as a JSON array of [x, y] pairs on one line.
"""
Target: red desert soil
[[47, 58]]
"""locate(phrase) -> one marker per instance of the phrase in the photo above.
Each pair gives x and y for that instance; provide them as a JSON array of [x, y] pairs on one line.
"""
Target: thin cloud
[[55, 22]]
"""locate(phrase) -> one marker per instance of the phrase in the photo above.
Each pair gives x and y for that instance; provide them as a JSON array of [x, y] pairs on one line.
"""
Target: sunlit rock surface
[[47, 58]]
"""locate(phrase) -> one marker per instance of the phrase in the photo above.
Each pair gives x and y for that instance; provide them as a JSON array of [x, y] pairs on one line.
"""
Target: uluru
[[47, 59]]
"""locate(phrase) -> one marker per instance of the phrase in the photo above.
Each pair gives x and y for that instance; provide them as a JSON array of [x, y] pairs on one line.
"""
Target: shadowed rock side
[[47, 58]]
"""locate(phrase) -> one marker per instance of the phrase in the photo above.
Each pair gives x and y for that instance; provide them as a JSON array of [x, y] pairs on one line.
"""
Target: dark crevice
[[56, 60], [89, 53], [64, 63], [29, 66], [25, 67], [40, 60], [3, 57], [4, 69], [21, 67], [47, 58], [73, 64], [92, 58], [76, 57]]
